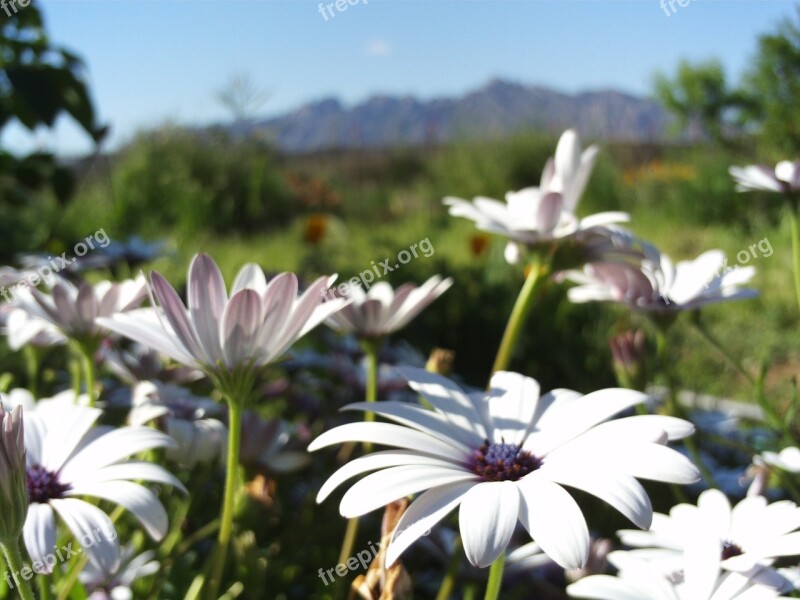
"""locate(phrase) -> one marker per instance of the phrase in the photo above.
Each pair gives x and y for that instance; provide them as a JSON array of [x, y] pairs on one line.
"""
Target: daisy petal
[[487, 518]]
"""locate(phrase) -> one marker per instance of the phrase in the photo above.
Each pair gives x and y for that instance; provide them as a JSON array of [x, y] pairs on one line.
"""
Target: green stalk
[[517, 319], [89, 370], [795, 227], [45, 593], [31, 354], [449, 580], [495, 578], [370, 347], [228, 504], [15, 565]]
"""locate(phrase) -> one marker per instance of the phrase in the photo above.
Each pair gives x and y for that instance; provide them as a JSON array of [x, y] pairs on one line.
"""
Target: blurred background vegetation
[[238, 198]]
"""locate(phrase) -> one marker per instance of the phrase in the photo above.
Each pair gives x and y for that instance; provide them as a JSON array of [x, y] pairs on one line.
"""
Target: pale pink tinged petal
[[108, 300], [279, 298], [39, 532], [59, 307], [554, 521], [512, 405], [382, 292], [621, 491], [701, 562], [177, 316], [321, 312], [141, 502], [371, 317], [374, 461], [547, 174], [133, 470], [89, 522], [151, 335], [309, 311], [241, 326], [715, 511], [34, 439], [114, 446], [378, 489], [86, 306], [463, 208], [422, 515], [131, 293], [64, 432], [581, 178], [207, 298], [487, 518], [549, 211], [446, 397], [250, 277], [422, 419], [606, 587], [417, 301], [389, 435], [493, 210], [755, 177]]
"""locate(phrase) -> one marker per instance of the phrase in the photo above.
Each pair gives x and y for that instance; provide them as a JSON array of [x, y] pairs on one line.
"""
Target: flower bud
[[13, 475]]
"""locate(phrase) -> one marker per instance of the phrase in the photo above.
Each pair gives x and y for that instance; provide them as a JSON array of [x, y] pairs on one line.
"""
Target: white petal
[[141, 502], [512, 404], [87, 522], [487, 518], [554, 521], [39, 532], [427, 510], [378, 489]]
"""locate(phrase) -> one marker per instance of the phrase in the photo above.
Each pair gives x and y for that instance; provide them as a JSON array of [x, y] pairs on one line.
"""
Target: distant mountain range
[[498, 109]]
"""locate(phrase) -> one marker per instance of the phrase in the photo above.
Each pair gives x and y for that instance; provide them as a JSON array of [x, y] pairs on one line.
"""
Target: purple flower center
[[729, 550], [503, 462], [43, 485]]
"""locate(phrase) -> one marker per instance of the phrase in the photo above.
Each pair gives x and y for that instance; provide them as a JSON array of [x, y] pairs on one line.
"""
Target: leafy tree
[[701, 100], [773, 84], [38, 83]]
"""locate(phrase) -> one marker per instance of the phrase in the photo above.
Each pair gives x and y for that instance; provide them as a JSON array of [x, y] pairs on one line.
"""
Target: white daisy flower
[[67, 458], [784, 178], [503, 457], [116, 584], [750, 535], [541, 214], [639, 579], [383, 310], [659, 285]]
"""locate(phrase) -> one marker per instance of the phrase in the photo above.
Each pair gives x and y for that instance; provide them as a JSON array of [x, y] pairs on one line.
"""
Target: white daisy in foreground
[[784, 178], [752, 534], [219, 334], [639, 579], [503, 457], [383, 310], [660, 285], [67, 459]]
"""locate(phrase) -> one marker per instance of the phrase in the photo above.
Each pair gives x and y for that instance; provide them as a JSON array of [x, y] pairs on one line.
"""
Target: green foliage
[[773, 82]]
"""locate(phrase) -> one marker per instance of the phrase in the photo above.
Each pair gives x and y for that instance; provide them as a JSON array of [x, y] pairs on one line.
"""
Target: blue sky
[[151, 62]]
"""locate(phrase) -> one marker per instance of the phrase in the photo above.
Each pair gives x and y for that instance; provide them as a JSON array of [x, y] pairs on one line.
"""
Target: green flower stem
[[370, 347], [89, 371], [495, 578], [517, 319], [795, 227], [45, 593], [15, 565], [228, 504], [31, 354], [709, 337], [449, 580]]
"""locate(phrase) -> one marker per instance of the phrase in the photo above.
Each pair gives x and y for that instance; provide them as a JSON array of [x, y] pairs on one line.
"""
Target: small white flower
[[116, 584], [67, 458], [503, 457], [383, 310], [784, 178], [541, 214], [658, 285], [639, 579], [752, 534]]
